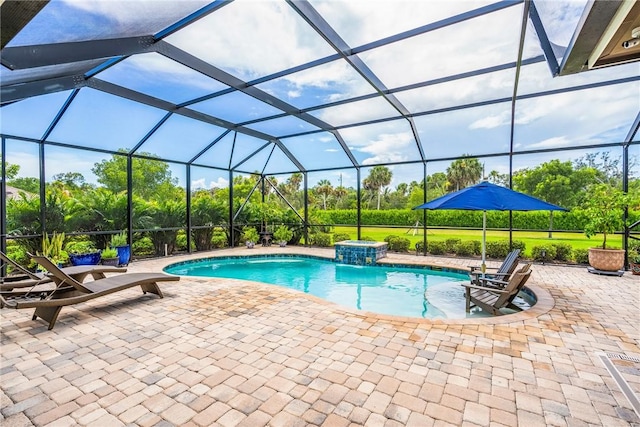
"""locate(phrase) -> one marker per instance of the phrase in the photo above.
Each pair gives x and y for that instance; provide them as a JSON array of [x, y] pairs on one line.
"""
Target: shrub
[[19, 255], [497, 249], [466, 248], [397, 243], [181, 241], [581, 256], [321, 239], [477, 247], [143, 246], [436, 248], [544, 253], [563, 251], [450, 245], [367, 239], [219, 240], [519, 244], [339, 237]]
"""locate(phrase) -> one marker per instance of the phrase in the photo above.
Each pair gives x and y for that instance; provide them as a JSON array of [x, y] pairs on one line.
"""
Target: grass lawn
[[530, 238]]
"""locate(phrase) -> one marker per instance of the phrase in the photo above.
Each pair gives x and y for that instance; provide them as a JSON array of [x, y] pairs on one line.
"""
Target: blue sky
[[252, 39]]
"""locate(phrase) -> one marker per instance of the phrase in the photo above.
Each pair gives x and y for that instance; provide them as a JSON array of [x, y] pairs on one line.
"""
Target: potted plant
[[83, 252], [604, 211], [250, 236], [634, 261], [110, 257], [119, 242], [282, 235]]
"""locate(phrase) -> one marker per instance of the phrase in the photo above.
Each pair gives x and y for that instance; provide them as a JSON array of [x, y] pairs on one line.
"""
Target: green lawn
[[531, 238]]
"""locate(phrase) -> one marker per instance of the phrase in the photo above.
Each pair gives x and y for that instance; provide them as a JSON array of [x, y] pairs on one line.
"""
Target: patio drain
[[630, 367]]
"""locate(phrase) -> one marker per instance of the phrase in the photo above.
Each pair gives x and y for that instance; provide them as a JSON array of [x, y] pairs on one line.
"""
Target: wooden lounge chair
[[69, 291], [501, 273], [490, 298], [27, 279]]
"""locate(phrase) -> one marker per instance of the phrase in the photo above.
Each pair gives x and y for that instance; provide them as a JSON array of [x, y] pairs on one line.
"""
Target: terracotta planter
[[606, 259]]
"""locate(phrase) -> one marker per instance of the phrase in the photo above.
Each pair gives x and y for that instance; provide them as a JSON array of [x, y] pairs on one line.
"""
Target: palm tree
[[324, 189], [340, 193], [463, 173], [379, 177]]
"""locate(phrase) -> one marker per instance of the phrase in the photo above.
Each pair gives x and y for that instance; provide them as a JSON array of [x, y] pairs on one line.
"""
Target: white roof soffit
[[608, 34]]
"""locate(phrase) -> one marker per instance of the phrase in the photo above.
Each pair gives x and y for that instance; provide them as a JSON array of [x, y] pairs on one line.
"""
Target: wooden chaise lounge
[[69, 291], [27, 279], [491, 298]]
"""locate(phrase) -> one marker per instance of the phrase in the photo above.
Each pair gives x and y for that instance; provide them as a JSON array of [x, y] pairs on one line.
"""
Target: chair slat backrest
[[516, 282], [60, 276], [18, 267], [510, 262]]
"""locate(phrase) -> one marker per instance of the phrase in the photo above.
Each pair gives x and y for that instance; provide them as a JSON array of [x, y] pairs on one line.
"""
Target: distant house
[[14, 193]]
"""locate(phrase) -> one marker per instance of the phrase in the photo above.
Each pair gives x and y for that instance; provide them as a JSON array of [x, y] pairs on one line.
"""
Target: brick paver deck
[[226, 353]]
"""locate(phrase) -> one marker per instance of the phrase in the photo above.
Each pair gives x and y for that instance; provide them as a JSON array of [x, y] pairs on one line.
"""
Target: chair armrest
[[484, 288], [477, 270], [496, 281]]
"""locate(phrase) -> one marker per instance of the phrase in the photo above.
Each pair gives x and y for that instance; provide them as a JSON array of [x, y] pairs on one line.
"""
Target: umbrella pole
[[484, 242]]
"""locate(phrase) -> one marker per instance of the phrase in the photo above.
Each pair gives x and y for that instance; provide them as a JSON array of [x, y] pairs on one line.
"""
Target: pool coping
[[544, 300]]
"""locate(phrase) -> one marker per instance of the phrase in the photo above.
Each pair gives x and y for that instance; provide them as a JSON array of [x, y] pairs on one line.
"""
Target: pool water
[[401, 291]]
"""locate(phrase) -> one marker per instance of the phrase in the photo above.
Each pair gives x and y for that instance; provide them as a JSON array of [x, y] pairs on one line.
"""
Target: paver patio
[[224, 352]]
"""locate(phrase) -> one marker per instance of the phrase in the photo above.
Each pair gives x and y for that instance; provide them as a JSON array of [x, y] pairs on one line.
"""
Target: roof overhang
[[598, 41]]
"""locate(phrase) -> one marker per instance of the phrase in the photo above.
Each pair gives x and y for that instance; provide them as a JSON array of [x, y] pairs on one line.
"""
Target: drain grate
[[623, 357], [619, 379]]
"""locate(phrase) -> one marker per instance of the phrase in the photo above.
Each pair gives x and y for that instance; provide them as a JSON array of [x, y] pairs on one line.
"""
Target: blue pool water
[[401, 291]]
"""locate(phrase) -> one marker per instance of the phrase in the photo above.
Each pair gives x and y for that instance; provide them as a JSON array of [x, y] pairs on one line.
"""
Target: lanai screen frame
[[87, 51]]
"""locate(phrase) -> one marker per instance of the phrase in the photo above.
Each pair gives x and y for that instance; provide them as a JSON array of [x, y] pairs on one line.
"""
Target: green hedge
[[537, 220]]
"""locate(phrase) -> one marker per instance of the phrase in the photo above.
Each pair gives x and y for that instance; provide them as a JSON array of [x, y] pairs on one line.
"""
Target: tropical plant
[[167, 214], [250, 234], [604, 209], [52, 248], [81, 247], [119, 239], [109, 253], [207, 211], [282, 234]]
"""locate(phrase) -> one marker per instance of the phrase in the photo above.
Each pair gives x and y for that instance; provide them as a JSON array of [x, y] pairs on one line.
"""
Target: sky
[[252, 39]]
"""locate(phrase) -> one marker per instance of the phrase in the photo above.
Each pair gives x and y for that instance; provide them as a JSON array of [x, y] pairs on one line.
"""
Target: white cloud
[[478, 43], [491, 122], [557, 141], [252, 38], [362, 21], [201, 183]]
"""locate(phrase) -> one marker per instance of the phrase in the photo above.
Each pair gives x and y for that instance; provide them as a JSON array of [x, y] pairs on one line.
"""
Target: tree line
[[73, 205]]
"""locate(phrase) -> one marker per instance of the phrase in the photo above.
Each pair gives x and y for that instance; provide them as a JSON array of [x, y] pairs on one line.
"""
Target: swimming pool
[[395, 290]]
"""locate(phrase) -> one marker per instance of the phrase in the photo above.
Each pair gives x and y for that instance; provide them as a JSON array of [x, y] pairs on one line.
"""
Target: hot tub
[[360, 252]]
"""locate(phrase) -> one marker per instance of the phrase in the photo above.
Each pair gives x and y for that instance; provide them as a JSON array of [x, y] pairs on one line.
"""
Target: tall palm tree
[[379, 177], [324, 189], [464, 172]]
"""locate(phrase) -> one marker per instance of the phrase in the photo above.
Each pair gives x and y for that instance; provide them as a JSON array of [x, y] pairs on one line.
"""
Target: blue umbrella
[[488, 197]]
